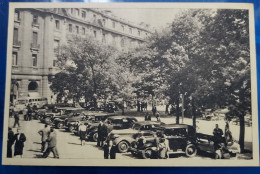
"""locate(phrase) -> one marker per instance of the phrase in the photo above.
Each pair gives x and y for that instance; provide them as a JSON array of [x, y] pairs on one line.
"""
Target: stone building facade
[[38, 31]]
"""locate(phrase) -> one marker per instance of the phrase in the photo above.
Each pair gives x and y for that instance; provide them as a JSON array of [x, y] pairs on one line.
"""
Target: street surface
[[69, 145]]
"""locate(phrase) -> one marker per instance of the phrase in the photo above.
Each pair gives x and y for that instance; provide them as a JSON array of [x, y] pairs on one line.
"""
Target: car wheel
[[123, 146], [95, 137], [71, 128], [147, 153], [47, 120], [191, 150], [59, 126]]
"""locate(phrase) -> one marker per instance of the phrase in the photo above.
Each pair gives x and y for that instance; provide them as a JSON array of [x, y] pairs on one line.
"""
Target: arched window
[[33, 86]]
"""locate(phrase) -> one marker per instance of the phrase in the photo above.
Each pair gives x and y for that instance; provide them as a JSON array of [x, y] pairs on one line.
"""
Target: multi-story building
[[38, 31]]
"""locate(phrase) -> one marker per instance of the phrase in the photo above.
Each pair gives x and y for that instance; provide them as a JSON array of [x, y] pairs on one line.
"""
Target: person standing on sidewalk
[[19, 139], [52, 142], [82, 133], [16, 120], [10, 142], [44, 134]]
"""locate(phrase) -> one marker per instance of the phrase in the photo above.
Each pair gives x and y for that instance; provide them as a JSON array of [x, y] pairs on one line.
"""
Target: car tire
[[47, 120], [71, 128], [123, 146], [147, 153], [191, 150], [59, 126], [95, 137]]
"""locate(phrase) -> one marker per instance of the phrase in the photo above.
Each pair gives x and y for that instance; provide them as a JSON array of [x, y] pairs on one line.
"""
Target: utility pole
[[182, 103]]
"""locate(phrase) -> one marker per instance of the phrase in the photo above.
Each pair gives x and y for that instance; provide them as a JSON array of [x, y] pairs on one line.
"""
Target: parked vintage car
[[126, 136], [59, 122], [48, 116], [88, 118], [181, 138], [116, 122], [206, 145]]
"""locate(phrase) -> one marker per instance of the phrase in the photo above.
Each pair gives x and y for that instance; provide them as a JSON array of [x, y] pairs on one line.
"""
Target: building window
[[77, 29], [130, 30], [114, 25], [77, 11], [35, 19], [17, 15], [104, 22], [34, 60], [54, 64], [14, 59], [56, 43], [15, 37], [123, 28], [104, 38], [122, 42], [83, 14], [70, 28], [95, 33], [83, 31], [57, 24], [94, 17], [35, 38], [139, 33]]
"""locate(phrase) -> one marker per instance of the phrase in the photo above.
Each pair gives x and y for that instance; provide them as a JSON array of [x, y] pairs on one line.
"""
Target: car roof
[[176, 126], [121, 117], [148, 122]]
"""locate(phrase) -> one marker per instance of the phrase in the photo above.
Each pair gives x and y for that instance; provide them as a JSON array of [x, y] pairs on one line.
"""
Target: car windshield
[[176, 132]]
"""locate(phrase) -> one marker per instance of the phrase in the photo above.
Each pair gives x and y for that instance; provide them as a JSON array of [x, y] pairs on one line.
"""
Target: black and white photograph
[[131, 84]]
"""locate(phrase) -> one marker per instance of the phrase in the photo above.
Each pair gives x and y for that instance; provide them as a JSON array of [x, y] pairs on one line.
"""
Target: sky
[[157, 18]]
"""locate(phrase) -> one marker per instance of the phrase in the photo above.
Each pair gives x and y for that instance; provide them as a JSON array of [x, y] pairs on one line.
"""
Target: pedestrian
[[157, 115], [138, 106], [52, 143], [19, 139], [110, 148], [29, 113], [16, 120], [162, 148], [102, 133], [217, 133], [82, 133], [142, 106], [44, 136], [147, 117], [10, 142], [228, 134], [154, 110], [167, 109]]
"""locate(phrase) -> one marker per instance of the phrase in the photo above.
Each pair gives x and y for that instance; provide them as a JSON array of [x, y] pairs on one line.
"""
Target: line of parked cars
[[127, 132]]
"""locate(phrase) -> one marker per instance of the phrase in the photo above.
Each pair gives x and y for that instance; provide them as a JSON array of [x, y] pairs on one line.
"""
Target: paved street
[[69, 145]]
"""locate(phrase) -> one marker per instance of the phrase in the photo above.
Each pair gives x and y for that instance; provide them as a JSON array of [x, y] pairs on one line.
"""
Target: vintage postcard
[[131, 84]]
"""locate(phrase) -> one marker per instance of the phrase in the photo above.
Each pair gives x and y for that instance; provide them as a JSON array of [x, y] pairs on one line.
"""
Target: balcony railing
[[35, 46], [36, 24], [16, 43]]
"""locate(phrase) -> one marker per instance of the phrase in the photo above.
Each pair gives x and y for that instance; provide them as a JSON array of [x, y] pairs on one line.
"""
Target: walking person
[[154, 110], [44, 134], [82, 133], [52, 143], [157, 115], [228, 134], [19, 139], [16, 120], [217, 132], [10, 142], [110, 148]]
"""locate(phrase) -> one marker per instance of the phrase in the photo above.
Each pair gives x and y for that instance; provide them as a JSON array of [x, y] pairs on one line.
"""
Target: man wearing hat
[[19, 139]]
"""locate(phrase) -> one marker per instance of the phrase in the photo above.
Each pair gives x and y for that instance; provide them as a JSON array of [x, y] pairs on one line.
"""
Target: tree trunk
[[193, 114], [242, 132], [94, 86], [177, 111]]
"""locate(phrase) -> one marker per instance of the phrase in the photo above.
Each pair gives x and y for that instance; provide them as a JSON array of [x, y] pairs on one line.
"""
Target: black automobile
[[181, 138], [116, 122]]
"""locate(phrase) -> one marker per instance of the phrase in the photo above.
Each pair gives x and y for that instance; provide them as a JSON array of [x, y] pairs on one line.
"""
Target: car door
[[177, 138]]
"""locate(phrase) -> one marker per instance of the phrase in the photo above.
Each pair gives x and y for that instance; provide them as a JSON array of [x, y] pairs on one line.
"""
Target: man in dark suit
[[52, 142], [44, 134], [19, 139], [10, 142], [16, 120], [217, 132]]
